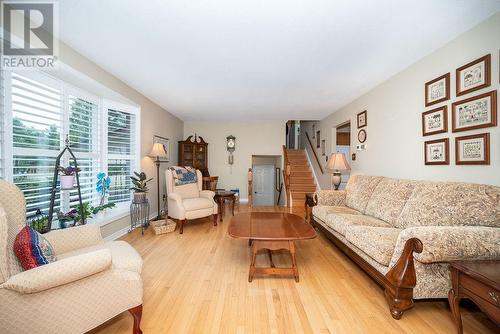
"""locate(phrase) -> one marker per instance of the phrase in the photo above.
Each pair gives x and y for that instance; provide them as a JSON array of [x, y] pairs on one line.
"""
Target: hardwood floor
[[197, 283]]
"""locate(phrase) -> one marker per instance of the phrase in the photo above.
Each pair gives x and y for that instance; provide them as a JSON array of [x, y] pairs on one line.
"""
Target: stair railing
[[286, 176], [250, 187], [314, 153]]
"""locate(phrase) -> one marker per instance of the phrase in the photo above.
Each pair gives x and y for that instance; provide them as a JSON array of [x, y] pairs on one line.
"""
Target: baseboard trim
[[121, 232]]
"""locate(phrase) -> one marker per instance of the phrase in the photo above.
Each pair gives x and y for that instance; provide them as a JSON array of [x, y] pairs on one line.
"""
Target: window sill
[[111, 215]]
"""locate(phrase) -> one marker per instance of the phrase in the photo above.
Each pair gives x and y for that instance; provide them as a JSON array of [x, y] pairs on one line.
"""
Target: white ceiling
[[261, 59]]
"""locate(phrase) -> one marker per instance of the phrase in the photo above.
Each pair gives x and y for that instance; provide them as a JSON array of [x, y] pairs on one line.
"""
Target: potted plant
[[39, 222], [67, 219], [67, 176], [140, 188]]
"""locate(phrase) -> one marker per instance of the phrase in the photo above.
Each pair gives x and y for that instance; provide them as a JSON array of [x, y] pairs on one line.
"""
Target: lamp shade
[[337, 163], [158, 151]]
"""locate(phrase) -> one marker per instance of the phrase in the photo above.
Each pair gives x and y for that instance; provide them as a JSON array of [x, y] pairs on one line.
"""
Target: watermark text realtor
[[29, 34]]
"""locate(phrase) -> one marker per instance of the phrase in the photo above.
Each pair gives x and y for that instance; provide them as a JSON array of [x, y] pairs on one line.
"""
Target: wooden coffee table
[[271, 231]]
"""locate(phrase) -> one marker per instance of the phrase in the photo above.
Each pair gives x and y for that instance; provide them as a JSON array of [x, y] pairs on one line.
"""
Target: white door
[[263, 185]]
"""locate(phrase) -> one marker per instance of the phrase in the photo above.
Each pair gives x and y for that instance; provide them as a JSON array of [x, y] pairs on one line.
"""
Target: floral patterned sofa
[[403, 232]]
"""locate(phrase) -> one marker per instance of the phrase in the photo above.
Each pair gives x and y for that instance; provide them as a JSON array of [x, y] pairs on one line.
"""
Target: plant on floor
[[140, 187]]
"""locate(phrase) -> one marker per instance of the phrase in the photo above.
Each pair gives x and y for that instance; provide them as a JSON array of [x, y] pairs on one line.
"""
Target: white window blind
[[38, 112], [37, 122], [122, 153]]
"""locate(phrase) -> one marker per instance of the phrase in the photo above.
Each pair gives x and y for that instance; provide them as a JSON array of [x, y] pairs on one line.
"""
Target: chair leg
[[137, 314], [215, 219], [181, 225]]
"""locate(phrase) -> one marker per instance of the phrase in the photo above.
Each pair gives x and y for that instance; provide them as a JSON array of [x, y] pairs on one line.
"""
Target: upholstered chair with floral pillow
[[90, 282]]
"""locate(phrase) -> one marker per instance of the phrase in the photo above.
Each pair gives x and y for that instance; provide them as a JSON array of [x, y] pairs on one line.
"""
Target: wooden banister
[[250, 187], [314, 152], [286, 176]]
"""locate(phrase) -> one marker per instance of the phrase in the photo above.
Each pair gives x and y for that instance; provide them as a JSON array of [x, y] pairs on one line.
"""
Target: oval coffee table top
[[270, 226]]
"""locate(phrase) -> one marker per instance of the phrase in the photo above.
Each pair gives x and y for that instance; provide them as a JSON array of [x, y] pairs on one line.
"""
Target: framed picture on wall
[[437, 90], [473, 149], [435, 121], [437, 152], [323, 144], [475, 112], [474, 75], [318, 139], [362, 119]]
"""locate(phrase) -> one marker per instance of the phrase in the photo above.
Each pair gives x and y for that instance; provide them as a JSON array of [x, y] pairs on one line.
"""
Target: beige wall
[[394, 132], [154, 120], [252, 138]]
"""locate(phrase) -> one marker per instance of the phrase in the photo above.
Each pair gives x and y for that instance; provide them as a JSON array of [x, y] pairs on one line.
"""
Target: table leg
[[270, 253], [252, 264], [232, 205], [291, 247], [221, 208]]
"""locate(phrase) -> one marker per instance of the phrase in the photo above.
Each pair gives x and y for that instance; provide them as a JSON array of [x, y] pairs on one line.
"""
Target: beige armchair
[[91, 282], [189, 201]]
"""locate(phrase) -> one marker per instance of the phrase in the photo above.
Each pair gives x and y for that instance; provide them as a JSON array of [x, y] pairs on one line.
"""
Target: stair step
[[300, 174]]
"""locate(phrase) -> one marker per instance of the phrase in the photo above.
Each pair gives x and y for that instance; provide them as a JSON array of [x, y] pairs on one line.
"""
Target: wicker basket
[[163, 226]]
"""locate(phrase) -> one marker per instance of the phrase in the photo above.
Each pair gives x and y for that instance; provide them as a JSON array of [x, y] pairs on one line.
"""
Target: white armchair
[[189, 201], [91, 282]]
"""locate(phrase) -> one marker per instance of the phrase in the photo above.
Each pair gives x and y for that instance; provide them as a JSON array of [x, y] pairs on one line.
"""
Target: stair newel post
[[250, 187]]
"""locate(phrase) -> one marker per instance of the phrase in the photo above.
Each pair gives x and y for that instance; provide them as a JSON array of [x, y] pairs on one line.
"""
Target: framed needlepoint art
[[473, 149], [437, 90], [475, 112], [474, 75], [362, 119], [435, 121], [437, 152]]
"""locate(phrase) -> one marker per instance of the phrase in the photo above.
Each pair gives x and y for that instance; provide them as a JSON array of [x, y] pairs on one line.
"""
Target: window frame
[[7, 151]]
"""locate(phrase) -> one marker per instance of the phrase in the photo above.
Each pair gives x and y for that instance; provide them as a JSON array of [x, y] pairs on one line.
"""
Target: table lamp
[[158, 152], [336, 164]]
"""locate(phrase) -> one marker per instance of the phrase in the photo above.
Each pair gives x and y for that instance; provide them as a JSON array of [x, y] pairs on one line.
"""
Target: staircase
[[301, 177]]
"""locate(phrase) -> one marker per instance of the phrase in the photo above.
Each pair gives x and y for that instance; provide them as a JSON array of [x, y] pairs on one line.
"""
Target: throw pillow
[[32, 249]]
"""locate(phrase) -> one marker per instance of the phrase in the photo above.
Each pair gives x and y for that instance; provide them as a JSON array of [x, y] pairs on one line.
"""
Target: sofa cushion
[[321, 211], [448, 203], [341, 221], [377, 242], [192, 204], [123, 256], [389, 198], [359, 190]]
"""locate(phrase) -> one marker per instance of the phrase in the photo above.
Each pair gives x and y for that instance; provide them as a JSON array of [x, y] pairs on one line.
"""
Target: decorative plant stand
[[54, 189], [139, 216]]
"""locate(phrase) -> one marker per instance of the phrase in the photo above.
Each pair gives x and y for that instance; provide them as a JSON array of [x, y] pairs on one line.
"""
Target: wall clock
[[231, 146], [362, 136]]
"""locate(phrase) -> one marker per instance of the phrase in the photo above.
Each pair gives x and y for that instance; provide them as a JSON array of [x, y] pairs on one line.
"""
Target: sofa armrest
[[59, 272], [72, 238], [175, 198], [207, 194], [330, 197], [451, 243]]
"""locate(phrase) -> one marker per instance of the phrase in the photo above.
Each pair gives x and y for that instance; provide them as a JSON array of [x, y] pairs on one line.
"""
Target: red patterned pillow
[[32, 249]]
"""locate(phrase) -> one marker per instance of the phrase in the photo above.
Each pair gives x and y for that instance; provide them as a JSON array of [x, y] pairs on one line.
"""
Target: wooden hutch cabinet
[[194, 153]]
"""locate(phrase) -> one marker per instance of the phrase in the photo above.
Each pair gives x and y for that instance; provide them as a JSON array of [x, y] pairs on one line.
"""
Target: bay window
[[39, 113]]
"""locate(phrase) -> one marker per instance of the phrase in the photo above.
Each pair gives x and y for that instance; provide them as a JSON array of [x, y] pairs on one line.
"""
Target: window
[[40, 113]]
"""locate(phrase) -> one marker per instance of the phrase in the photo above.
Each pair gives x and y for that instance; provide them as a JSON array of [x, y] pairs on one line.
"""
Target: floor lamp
[[158, 152], [336, 164]]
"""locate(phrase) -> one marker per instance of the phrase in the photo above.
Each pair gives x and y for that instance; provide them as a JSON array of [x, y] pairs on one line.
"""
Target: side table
[[479, 281], [139, 215], [309, 203], [220, 197]]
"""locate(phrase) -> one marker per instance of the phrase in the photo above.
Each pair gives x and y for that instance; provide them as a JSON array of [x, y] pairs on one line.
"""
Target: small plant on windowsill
[[67, 176], [140, 187], [102, 187], [67, 219]]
